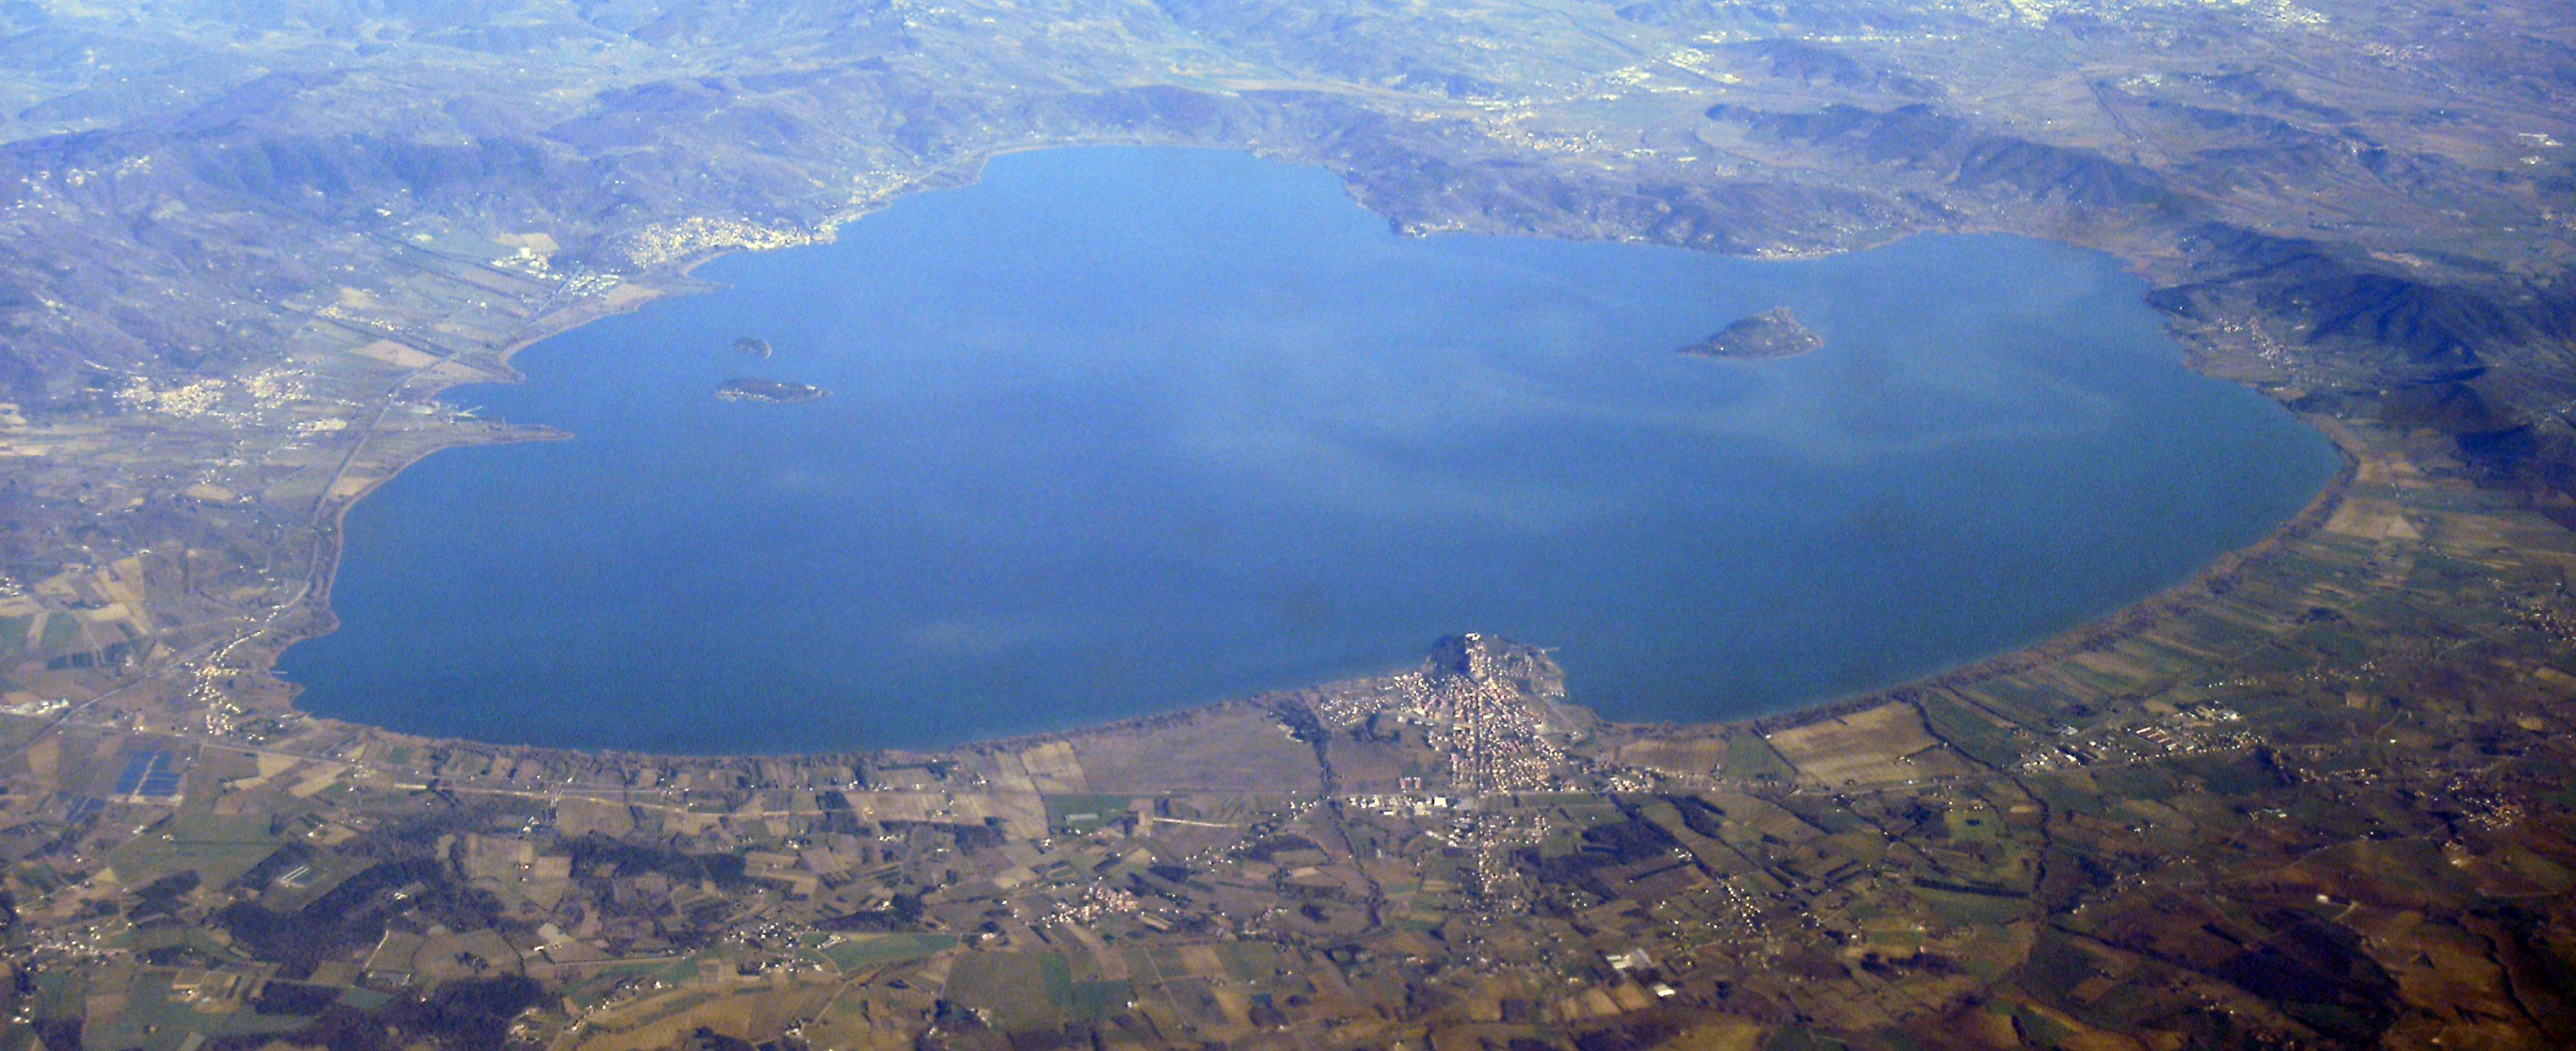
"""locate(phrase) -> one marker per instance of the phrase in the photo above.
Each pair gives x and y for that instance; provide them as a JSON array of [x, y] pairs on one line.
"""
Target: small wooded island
[[758, 348], [775, 392], [1773, 333]]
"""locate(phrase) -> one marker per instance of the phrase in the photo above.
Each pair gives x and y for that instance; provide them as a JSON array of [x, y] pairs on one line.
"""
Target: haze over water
[[1118, 430]]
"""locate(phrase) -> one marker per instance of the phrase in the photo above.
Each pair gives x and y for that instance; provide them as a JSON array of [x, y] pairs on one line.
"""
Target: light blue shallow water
[[1119, 430]]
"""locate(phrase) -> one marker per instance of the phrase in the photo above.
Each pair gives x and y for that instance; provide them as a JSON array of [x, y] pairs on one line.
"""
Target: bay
[[1122, 429]]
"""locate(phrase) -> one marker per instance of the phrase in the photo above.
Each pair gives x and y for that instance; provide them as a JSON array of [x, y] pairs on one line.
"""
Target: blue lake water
[[1118, 430]]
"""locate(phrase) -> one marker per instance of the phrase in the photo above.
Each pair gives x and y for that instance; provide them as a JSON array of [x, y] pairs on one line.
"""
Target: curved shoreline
[[659, 282], [2164, 604]]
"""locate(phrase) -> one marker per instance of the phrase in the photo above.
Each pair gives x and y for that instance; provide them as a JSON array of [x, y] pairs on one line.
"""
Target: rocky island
[[1773, 333], [775, 392], [758, 348]]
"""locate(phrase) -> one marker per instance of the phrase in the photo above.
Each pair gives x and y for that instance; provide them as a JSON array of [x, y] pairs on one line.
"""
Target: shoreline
[[677, 278], [2165, 603]]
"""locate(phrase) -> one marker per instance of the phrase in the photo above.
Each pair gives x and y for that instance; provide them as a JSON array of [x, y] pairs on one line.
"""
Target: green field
[[1078, 814], [1036, 990], [60, 631], [1749, 756], [866, 951], [219, 849], [1969, 732]]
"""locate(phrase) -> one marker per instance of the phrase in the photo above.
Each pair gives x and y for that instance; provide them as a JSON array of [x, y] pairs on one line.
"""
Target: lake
[[1119, 429]]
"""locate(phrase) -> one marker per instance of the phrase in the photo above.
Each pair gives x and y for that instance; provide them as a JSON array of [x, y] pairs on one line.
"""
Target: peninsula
[[1773, 333], [775, 392]]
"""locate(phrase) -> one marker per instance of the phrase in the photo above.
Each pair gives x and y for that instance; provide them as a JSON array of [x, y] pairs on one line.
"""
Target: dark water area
[[1119, 430]]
